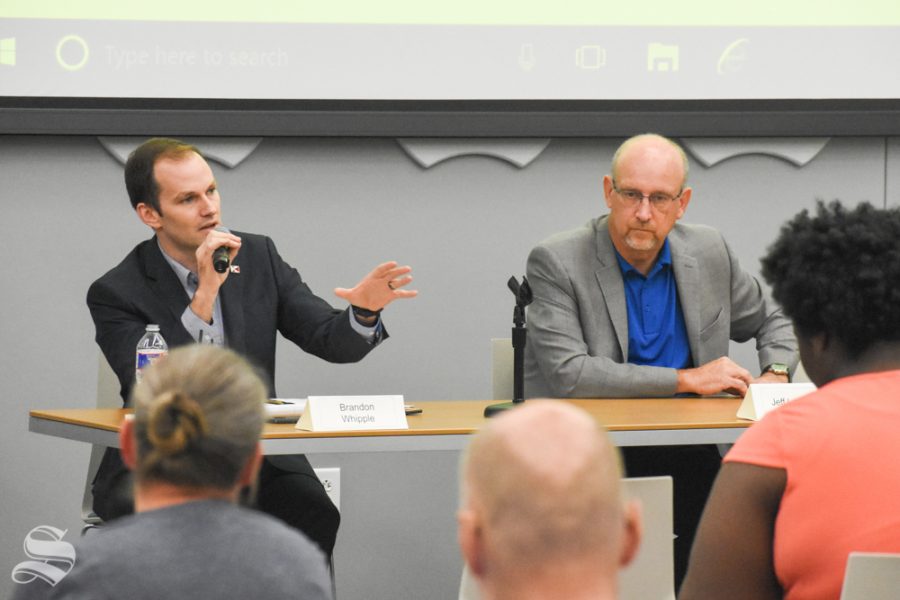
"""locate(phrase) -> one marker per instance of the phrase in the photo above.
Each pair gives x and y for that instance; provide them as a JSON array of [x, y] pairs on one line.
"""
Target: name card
[[763, 397], [353, 413]]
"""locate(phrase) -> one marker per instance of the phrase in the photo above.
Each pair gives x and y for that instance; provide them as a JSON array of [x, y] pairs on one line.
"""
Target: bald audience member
[[542, 513]]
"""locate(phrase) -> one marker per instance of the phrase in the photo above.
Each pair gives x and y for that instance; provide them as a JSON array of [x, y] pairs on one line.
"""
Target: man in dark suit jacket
[[170, 280]]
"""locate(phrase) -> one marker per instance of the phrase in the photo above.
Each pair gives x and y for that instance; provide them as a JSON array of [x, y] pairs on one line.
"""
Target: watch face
[[778, 368]]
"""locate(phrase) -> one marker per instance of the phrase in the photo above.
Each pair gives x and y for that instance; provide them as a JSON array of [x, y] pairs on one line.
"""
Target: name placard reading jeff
[[353, 413], [763, 397]]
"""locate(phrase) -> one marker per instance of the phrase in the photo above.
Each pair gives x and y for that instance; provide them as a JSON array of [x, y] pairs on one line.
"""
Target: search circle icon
[[73, 46]]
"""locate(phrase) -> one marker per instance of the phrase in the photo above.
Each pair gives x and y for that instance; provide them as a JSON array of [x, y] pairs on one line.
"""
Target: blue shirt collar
[[663, 260]]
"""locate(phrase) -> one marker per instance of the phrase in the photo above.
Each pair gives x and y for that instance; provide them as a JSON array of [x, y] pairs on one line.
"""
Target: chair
[[871, 576], [651, 576], [502, 368], [107, 397], [468, 589]]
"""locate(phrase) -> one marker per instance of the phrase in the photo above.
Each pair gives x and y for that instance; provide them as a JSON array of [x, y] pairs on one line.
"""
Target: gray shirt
[[202, 549]]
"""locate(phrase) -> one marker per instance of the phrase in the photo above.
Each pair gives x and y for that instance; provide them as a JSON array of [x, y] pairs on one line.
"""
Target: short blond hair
[[545, 480]]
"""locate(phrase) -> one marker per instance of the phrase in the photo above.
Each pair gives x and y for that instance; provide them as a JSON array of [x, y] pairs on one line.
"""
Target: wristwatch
[[779, 369], [365, 313]]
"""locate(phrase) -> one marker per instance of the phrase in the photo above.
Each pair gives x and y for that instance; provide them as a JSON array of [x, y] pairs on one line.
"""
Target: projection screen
[[466, 57]]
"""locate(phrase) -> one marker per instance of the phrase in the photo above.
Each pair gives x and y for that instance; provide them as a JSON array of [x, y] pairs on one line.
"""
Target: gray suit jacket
[[578, 322]]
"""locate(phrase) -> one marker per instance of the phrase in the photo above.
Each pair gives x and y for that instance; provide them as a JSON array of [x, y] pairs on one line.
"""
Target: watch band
[[364, 313], [778, 369]]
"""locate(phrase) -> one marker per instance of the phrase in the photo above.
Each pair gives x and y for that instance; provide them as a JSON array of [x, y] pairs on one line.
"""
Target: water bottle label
[[146, 357]]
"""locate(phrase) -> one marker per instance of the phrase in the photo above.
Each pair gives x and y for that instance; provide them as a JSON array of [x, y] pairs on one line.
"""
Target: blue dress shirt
[[656, 332]]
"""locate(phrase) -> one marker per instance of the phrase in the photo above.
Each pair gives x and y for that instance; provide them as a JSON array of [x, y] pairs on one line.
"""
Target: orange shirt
[[840, 447]]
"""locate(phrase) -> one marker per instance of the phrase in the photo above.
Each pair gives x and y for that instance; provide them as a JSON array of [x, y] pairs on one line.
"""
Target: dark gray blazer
[[267, 296], [578, 322]]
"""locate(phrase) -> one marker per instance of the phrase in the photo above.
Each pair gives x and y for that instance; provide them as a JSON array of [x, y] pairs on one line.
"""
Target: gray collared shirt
[[200, 330]]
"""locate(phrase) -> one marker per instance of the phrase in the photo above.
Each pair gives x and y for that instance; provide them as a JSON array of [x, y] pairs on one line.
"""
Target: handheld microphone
[[221, 261]]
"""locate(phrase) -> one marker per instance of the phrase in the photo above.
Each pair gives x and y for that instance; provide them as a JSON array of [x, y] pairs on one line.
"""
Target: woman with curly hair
[[819, 477]]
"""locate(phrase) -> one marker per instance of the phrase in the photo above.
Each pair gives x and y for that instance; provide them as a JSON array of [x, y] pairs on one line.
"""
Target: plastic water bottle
[[150, 348]]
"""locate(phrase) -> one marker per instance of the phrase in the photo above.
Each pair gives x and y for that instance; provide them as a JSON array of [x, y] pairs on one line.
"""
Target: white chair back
[[107, 397], [651, 575], [502, 368], [871, 576]]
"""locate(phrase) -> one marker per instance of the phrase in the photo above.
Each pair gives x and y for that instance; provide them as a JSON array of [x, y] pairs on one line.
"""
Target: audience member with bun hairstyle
[[193, 445], [818, 478], [196, 426]]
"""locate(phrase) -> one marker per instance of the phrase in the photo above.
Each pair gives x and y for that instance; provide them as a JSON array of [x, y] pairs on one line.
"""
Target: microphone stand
[[519, 338]]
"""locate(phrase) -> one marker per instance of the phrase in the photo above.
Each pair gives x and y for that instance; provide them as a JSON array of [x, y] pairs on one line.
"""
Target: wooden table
[[446, 425], [399, 488]]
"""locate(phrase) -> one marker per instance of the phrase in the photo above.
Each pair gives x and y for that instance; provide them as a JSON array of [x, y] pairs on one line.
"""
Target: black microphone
[[220, 256]]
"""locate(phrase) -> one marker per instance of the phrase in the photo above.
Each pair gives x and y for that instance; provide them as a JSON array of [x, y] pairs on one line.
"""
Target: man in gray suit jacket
[[580, 342], [634, 304]]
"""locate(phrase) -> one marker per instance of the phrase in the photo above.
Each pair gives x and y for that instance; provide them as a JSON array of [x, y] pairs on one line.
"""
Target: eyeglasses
[[658, 200]]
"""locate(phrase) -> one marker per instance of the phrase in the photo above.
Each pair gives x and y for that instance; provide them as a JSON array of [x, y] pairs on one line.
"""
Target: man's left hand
[[379, 288]]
